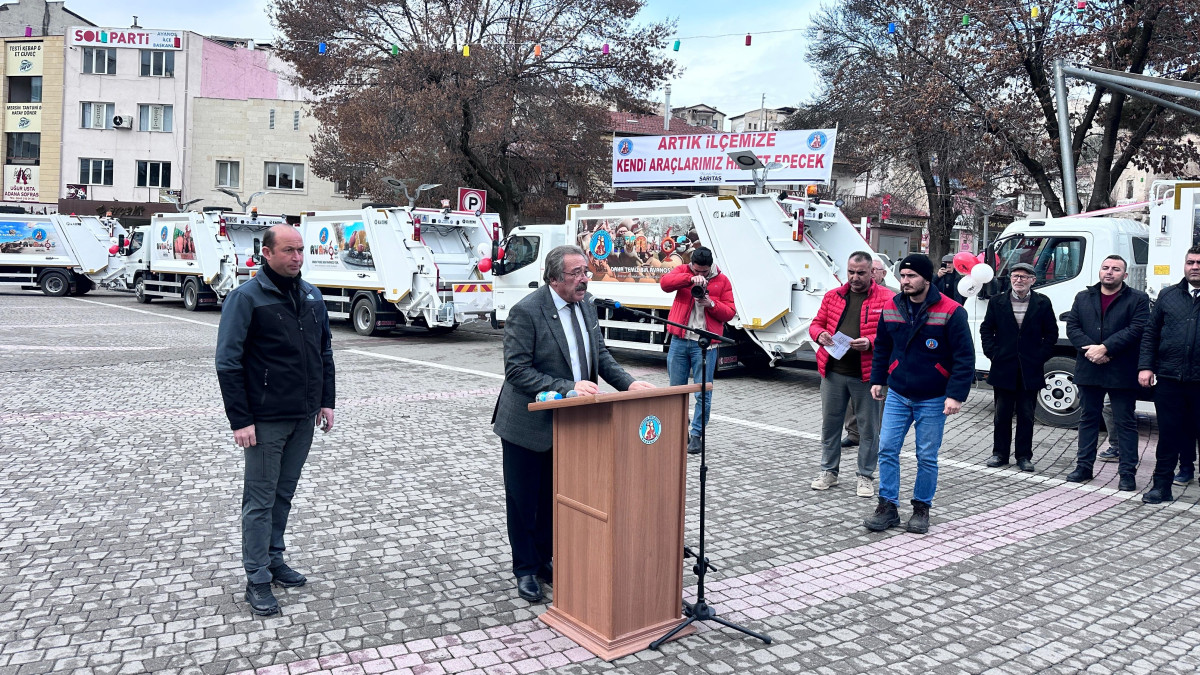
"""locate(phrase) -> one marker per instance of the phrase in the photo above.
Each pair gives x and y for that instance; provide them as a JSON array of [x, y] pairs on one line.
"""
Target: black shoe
[[262, 600], [287, 577], [997, 460], [1079, 476], [1127, 484], [529, 588], [546, 575], [1158, 495], [919, 522], [1025, 465], [848, 442], [885, 516], [693, 445]]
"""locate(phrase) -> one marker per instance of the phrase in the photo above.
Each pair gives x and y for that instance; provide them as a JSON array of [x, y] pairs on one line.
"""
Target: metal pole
[[1070, 195], [983, 242]]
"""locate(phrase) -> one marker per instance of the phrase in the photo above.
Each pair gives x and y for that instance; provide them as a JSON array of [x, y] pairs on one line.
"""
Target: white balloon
[[982, 273], [968, 287], [485, 250]]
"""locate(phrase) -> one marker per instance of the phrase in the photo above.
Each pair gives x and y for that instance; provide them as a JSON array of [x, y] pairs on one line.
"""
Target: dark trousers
[[272, 471], [529, 504], [1022, 402], [1177, 405], [1123, 401]]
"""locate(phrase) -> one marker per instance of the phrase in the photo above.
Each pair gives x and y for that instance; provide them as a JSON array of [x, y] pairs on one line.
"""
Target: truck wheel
[[191, 295], [139, 291], [365, 318], [55, 284], [1060, 403]]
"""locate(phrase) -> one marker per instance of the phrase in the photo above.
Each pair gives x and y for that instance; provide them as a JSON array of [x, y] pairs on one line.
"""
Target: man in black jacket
[[275, 367], [1105, 325], [1170, 362], [1018, 333], [948, 278]]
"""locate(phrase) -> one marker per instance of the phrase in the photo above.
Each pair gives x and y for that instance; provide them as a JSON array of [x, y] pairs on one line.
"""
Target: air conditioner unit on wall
[[122, 122]]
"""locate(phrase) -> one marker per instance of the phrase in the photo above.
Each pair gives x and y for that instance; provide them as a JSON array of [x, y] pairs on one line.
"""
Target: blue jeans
[[683, 360], [899, 413]]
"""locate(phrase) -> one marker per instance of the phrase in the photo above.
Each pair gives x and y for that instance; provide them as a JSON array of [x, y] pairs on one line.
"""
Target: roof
[[697, 107], [634, 124], [783, 111]]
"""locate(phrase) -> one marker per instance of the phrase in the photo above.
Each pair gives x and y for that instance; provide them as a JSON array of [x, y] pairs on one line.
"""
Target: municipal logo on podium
[[650, 430]]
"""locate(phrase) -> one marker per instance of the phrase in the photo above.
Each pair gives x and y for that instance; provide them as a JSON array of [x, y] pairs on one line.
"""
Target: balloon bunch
[[975, 273]]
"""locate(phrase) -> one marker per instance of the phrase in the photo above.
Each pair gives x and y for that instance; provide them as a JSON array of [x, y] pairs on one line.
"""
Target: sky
[[721, 72]]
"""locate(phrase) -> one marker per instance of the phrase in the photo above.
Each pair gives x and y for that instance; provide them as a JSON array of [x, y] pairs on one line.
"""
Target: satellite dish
[[394, 182]]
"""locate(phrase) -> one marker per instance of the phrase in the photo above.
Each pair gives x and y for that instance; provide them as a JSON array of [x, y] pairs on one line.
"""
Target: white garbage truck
[[59, 254], [783, 256], [185, 256], [384, 266]]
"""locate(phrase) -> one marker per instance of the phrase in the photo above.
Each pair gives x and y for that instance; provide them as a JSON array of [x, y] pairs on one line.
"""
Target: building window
[[1033, 202], [96, 171], [155, 117], [154, 174], [96, 115], [282, 176], [1129, 189], [229, 174], [99, 61], [158, 63], [271, 119], [25, 90], [23, 148], [296, 120]]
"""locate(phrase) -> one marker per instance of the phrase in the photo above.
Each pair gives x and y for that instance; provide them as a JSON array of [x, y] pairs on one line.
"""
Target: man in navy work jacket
[[275, 367], [925, 357]]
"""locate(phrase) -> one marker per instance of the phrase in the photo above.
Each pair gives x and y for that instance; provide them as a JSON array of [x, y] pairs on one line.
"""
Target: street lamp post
[[987, 210], [748, 161]]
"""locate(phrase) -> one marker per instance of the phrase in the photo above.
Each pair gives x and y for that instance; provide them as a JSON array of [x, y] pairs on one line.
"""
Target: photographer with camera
[[703, 299]]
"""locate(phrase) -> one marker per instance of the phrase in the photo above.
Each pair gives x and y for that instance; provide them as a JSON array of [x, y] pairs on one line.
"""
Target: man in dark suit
[[1105, 324], [552, 342], [1018, 333]]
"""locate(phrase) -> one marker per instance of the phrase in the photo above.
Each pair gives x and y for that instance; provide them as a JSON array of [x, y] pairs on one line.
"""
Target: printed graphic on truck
[[340, 246], [183, 244], [636, 249], [27, 238]]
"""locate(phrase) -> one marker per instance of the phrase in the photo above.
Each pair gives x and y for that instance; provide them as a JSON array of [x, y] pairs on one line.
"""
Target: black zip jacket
[[1169, 345], [274, 361]]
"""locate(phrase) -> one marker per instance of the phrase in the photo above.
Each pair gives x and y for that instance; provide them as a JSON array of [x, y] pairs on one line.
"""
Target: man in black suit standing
[[552, 342], [1018, 333]]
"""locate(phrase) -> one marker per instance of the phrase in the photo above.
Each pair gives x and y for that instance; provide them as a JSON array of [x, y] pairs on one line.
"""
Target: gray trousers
[[272, 471], [837, 391]]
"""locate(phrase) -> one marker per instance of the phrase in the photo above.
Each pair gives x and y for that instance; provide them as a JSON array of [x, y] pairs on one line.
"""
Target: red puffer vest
[[834, 305]]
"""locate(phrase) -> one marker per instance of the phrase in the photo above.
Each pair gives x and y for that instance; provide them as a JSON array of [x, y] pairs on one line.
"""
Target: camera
[[699, 291]]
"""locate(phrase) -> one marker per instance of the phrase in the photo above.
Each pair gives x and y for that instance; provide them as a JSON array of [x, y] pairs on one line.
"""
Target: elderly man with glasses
[[1018, 333]]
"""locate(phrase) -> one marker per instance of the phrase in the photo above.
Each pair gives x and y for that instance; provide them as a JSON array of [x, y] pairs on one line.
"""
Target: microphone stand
[[699, 610]]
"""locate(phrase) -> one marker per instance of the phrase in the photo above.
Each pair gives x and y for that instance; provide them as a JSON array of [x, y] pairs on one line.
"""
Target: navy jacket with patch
[[926, 356]]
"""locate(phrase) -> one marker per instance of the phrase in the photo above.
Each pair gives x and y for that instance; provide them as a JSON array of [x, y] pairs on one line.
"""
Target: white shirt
[[564, 317]]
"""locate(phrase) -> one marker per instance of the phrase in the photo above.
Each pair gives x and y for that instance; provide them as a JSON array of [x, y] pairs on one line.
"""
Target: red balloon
[[112, 250], [485, 265], [964, 261], [980, 256], [249, 262], [500, 253]]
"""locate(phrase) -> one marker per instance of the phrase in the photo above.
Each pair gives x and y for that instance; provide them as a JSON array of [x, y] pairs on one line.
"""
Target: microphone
[[605, 302]]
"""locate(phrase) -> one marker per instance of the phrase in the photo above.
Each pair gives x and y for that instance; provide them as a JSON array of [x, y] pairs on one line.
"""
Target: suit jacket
[[1025, 349], [1120, 331], [537, 359]]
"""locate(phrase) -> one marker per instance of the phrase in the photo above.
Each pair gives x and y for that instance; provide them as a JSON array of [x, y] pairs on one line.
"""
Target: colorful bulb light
[[322, 47]]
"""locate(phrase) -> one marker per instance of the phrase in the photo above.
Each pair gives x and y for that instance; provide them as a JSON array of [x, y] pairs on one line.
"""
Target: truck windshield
[[520, 251], [1054, 259]]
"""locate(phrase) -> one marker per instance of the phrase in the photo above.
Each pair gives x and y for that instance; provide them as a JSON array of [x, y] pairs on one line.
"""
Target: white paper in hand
[[841, 345]]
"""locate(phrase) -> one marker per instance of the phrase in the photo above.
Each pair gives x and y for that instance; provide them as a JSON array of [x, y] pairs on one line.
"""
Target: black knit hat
[[918, 263]]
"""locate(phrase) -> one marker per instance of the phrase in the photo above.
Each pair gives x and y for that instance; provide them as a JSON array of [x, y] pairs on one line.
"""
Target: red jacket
[[720, 291], [833, 305]]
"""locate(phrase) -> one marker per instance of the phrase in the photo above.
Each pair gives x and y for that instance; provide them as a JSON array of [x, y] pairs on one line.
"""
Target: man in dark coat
[[1105, 325], [1170, 362], [948, 278], [552, 342], [1018, 334]]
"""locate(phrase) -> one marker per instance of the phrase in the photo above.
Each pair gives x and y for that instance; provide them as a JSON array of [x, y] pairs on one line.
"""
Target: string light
[[605, 49], [1080, 7], [1034, 11], [395, 50], [537, 51], [466, 52], [677, 45], [966, 23], [322, 47], [891, 27]]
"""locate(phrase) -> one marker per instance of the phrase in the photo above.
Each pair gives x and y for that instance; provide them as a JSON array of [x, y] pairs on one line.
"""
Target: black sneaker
[[1079, 476], [262, 600], [1127, 483], [693, 445], [287, 577], [997, 460], [885, 516], [919, 522], [1158, 495]]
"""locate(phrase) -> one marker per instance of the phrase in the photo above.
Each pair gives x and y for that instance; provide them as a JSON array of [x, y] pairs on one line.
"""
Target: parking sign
[[470, 199]]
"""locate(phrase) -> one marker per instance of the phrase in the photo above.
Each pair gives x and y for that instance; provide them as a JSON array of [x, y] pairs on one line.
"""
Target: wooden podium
[[619, 480]]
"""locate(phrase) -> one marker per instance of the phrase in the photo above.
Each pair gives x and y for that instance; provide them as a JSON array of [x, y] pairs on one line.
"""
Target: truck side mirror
[[121, 244], [257, 247]]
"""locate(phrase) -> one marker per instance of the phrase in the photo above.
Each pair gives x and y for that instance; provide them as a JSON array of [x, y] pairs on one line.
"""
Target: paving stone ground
[[120, 496]]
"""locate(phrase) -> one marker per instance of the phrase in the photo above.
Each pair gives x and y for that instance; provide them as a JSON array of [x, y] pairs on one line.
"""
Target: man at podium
[[552, 342]]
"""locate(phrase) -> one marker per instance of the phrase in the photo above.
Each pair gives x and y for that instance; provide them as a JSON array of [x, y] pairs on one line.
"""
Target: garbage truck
[[59, 254], [384, 266], [784, 255]]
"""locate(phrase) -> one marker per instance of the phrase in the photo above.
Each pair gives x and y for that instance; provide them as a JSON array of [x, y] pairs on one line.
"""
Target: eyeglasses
[[578, 273], [1020, 277]]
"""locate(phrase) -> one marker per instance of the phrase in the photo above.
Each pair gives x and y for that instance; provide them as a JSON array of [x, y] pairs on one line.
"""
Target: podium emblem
[[650, 430]]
